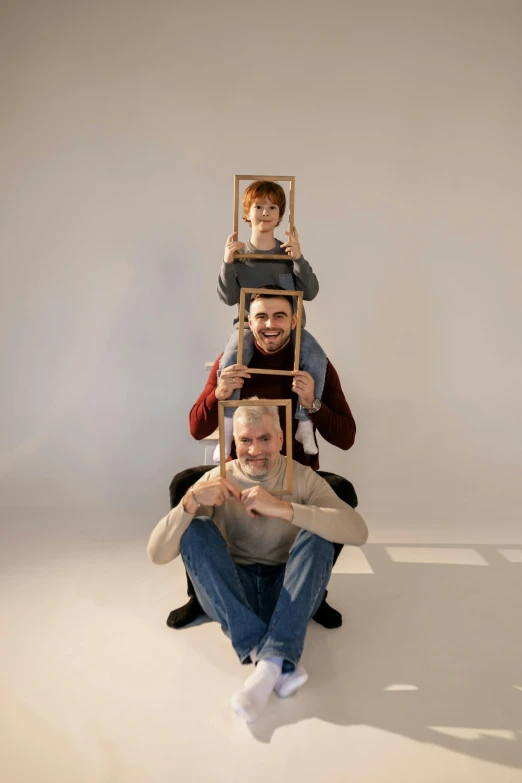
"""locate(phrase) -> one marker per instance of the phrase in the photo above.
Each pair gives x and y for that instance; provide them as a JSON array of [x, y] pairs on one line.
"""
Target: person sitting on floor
[[259, 563]]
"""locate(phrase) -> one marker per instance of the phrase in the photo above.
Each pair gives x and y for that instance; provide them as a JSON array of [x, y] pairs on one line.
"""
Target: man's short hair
[[263, 188], [252, 414], [275, 289]]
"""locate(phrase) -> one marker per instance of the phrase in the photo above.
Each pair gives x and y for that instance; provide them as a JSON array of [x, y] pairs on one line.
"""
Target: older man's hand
[[232, 377], [258, 501], [210, 493]]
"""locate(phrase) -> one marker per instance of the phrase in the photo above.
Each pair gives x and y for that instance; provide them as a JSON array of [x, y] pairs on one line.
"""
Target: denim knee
[[319, 545], [197, 533]]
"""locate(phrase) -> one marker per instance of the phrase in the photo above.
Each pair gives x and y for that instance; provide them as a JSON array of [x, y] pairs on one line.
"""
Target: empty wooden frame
[[255, 177], [287, 404], [242, 308]]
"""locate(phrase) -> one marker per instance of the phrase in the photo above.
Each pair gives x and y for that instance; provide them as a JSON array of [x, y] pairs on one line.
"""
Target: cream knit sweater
[[264, 539]]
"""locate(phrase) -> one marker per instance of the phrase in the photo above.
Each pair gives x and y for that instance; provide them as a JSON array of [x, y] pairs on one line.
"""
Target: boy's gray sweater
[[256, 273]]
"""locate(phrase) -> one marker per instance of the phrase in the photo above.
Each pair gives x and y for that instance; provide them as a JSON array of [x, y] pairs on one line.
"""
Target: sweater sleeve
[[334, 420], [165, 540], [306, 279], [326, 515], [203, 417], [228, 287]]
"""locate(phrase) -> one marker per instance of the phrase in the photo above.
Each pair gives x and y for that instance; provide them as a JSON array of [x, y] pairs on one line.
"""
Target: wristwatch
[[316, 405]]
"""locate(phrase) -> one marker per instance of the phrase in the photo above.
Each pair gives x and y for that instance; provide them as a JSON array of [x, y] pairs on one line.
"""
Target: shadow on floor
[[447, 638]]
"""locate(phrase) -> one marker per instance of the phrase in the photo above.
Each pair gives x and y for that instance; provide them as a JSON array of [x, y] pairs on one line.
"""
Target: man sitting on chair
[[259, 563]]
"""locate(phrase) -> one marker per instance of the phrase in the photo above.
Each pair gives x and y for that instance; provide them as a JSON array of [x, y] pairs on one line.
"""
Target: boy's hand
[[303, 385], [292, 246], [258, 501], [231, 378], [231, 248]]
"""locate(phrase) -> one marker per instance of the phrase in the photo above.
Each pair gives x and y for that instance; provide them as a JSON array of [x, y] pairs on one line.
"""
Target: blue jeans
[[258, 606], [312, 358]]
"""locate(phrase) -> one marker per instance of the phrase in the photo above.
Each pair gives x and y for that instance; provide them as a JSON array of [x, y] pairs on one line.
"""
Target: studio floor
[[423, 682]]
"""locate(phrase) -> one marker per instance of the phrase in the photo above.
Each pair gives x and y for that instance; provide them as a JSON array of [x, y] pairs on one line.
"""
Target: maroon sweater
[[334, 421]]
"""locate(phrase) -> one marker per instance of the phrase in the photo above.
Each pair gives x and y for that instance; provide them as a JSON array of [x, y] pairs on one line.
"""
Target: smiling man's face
[[271, 321]]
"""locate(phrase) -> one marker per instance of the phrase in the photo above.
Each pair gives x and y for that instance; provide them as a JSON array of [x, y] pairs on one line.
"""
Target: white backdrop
[[122, 126]]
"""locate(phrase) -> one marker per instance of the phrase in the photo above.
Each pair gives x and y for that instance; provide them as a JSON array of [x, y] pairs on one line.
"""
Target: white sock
[[305, 435], [289, 683], [252, 699], [228, 440]]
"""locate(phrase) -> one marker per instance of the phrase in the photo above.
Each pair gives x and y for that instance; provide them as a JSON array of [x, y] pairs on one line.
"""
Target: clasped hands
[[256, 500]]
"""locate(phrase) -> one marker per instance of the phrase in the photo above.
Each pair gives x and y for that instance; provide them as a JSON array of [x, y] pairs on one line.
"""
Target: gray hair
[[252, 414]]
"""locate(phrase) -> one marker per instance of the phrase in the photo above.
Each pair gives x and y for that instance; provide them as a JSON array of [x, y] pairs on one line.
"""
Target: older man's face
[[257, 446]]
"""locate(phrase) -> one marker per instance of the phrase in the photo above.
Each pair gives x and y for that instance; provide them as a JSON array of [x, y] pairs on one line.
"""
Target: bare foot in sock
[[252, 699], [289, 683], [228, 441], [305, 435]]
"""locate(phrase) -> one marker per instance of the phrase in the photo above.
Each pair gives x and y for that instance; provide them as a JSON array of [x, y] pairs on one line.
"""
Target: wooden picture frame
[[287, 404], [254, 178], [241, 327]]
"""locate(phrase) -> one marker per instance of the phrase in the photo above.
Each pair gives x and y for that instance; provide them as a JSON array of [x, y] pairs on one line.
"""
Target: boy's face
[[264, 215]]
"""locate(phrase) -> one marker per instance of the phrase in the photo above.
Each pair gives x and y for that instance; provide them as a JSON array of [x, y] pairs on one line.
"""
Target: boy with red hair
[[264, 205]]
